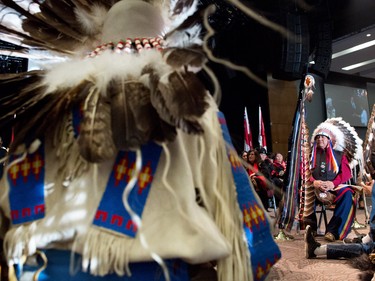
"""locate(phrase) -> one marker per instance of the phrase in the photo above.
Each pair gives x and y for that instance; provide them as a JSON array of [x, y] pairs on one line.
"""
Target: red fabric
[[344, 174], [277, 168], [253, 173]]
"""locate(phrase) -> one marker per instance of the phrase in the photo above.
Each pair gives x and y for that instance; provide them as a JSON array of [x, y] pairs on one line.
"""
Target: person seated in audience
[[244, 155], [259, 175], [266, 160], [277, 174]]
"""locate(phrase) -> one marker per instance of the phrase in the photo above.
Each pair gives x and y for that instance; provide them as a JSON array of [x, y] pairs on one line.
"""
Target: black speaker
[[295, 48], [322, 52]]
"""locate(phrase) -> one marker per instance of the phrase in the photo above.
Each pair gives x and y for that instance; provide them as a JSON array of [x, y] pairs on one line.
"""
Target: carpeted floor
[[293, 266]]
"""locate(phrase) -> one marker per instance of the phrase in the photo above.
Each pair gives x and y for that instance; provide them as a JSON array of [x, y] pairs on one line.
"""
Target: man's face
[[322, 141]]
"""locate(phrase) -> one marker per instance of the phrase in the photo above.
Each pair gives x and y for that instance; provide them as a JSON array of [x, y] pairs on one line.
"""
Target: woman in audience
[[277, 175], [259, 176]]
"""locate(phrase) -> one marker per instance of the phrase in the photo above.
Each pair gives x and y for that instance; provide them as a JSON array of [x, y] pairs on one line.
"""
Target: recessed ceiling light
[[353, 66], [368, 34]]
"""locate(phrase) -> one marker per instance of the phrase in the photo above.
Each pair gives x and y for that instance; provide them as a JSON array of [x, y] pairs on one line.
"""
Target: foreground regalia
[[121, 167]]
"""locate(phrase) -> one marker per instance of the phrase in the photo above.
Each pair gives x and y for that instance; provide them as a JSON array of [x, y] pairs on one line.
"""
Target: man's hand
[[323, 185]]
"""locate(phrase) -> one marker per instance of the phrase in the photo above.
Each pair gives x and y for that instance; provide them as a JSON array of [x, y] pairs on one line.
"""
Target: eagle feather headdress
[[129, 65], [344, 138]]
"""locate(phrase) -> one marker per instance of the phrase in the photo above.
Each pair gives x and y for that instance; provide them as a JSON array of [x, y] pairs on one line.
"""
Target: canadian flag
[[248, 143], [262, 134]]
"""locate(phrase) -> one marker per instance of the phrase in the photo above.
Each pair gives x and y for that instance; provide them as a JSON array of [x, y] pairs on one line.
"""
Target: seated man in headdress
[[330, 170]]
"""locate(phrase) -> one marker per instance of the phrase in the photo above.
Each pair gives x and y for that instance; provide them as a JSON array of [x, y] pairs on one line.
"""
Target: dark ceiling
[[351, 16], [323, 27], [353, 21]]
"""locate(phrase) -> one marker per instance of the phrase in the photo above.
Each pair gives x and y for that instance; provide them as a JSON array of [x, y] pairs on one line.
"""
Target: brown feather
[[95, 136], [148, 123], [50, 35], [59, 15], [55, 27], [18, 93], [34, 36], [125, 132], [180, 6], [124, 104], [134, 120], [180, 101], [44, 112], [178, 57], [24, 37]]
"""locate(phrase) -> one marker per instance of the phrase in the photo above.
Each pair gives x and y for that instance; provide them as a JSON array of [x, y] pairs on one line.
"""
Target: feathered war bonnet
[[128, 98], [144, 73], [331, 131], [342, 137]]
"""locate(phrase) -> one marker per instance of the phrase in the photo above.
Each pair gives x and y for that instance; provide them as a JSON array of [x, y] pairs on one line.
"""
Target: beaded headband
[[321, 133], [129, 46]]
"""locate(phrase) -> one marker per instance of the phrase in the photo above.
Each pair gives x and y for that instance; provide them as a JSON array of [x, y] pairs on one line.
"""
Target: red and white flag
[[262, 134], [248, 143]]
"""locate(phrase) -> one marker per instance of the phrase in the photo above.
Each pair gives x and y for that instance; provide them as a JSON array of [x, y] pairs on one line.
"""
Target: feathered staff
[[290, 199], [296, 198], [307, 198]]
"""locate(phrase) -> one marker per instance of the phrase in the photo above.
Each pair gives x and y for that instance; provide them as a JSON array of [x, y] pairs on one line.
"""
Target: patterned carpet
[[293, 266]]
